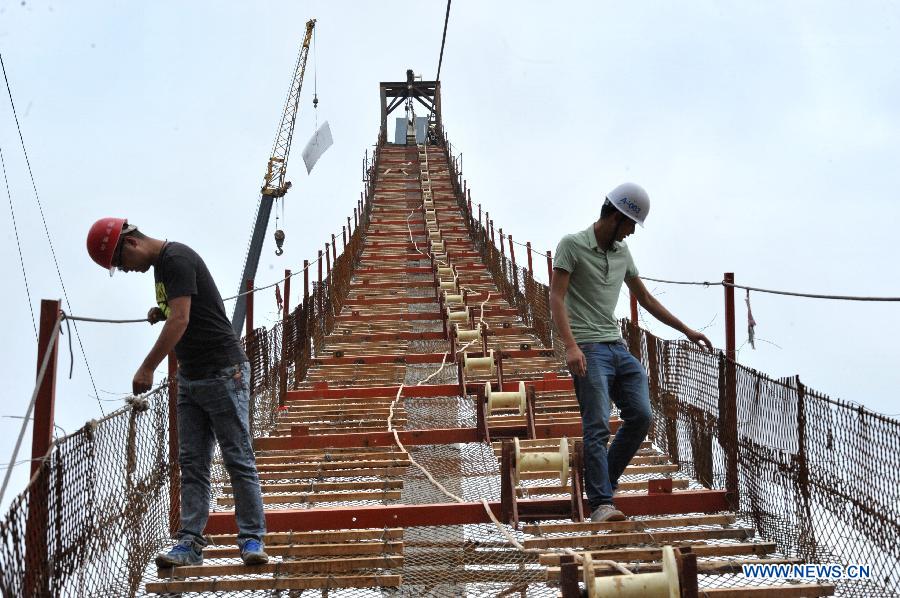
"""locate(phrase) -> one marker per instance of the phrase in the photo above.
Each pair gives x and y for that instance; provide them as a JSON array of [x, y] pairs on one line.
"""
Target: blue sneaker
[[252, 552], [186, 552]]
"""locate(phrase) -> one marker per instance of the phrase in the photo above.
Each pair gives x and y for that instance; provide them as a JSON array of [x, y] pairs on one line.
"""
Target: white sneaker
[[607, 513]]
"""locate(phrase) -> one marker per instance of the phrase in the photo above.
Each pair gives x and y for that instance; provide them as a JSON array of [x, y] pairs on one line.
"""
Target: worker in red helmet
[[213, 383], [588, 271]]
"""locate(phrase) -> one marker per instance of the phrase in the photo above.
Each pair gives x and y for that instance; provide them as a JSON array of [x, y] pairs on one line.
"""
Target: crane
[[274, 184]]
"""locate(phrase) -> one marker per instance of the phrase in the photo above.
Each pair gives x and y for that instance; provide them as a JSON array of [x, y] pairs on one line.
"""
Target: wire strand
[[18, 245], [37, 198]]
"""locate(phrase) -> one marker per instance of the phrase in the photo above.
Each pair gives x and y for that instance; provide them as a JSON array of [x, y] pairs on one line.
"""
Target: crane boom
[[274, 184]]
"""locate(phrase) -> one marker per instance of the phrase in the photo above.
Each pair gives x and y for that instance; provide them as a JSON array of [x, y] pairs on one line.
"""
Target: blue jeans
[[612, 373], [212, 409]]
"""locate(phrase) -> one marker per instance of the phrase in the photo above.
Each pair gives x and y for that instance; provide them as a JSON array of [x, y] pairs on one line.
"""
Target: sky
[[767, 134]]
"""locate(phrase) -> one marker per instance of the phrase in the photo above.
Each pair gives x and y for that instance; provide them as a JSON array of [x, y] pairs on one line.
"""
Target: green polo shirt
[[595, 279]]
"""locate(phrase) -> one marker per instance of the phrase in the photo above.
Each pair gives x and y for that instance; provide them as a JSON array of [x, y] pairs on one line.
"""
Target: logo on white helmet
[[630, 205]]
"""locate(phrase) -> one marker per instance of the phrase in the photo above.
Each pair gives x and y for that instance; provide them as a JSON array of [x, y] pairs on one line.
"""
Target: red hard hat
[[102, 240]]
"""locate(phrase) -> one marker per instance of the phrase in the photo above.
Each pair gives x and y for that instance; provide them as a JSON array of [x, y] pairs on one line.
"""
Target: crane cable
[[46, 229]]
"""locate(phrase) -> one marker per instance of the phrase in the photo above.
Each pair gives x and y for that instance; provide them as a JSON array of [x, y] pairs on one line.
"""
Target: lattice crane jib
[[274, 184]]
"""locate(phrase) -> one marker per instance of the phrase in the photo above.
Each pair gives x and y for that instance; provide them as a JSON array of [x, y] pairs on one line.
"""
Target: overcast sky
[[767, 133]]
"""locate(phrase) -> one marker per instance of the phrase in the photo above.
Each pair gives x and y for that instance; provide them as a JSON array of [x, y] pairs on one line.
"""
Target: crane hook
[[315, 101], [279, 241]]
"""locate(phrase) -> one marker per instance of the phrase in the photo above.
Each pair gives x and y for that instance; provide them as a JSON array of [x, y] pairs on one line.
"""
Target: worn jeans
[[612, 373], [212, 409]]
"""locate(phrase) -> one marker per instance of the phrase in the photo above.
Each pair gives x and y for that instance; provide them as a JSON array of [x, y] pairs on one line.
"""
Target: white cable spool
[[434, 234], [429, 204], [467, 336], [449, 286], [479, 365], [446, 271], [505, 400], [430, 216], [440, 258], [437, 246], [544, 461], [458, 316], [452, 299], [650, 585]]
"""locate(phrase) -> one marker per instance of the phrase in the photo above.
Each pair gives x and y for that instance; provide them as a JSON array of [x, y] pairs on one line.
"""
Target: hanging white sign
[[316, 146]]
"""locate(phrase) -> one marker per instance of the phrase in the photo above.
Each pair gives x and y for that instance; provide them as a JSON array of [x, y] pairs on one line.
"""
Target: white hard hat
[[632, 200]]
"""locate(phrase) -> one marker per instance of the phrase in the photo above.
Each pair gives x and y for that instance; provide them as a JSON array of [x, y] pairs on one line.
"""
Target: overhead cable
[[777, 292], [18, 245], [44, 221], [443, 41]]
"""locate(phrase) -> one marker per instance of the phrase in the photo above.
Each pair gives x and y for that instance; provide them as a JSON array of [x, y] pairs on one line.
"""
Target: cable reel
[[545, 461]]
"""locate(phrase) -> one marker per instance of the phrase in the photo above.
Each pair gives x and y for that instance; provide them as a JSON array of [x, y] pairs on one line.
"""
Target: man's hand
[[576, 361], [700, 339], [142, 382], [155, 315]]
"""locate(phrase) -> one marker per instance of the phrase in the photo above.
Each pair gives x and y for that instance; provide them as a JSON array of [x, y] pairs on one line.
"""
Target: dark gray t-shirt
[[209, 343]]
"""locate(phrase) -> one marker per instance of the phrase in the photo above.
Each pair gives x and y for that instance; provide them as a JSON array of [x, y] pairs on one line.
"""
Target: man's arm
[[176, 324], [658, 311], [559, 286]]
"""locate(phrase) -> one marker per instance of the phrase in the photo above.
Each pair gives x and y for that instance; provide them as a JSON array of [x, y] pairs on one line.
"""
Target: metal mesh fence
[[95, 512], [817, 476]]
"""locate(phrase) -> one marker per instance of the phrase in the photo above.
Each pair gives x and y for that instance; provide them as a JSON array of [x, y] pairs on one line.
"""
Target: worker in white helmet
[[588, 271]]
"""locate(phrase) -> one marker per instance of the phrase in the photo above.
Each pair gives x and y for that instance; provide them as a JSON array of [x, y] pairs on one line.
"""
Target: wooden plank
[[679, 484], [499, 575], [314, 455], [342, 565], [701, 549], [332, 549], [338, 473], [278, 583], [313, 537], [639, 538], [274, 499], [630, 470], [317, 486], [333, 465], [810, 590], [630, 525]]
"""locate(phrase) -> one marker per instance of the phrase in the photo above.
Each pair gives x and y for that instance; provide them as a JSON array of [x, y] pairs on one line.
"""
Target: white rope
[[48, 351], [500, 526]]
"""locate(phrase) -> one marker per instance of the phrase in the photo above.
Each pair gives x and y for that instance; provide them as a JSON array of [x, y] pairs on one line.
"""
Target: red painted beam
[[387, 336], [412, 257], [462, 267], [380, 516], [366, 284], [300, 439], [375, 300], [373, 359], [550, 383], [410, 246], [401, 233], [426, 315], [418, 357], [366, 439]]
